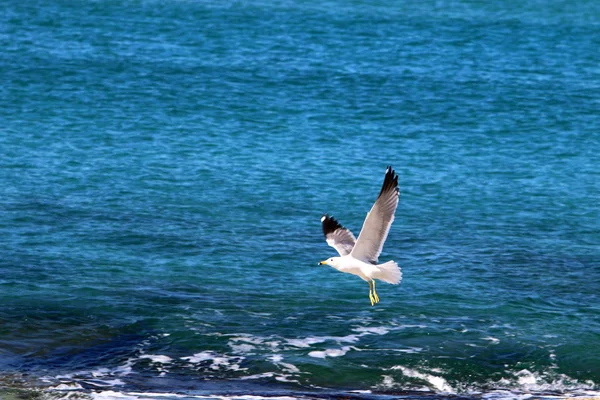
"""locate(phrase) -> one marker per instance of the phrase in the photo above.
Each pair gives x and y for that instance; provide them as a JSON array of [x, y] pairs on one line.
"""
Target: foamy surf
[[375, 394], [396, 381]]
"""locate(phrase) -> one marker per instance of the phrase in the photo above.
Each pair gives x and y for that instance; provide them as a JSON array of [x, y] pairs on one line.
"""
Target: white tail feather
[[389, 272]]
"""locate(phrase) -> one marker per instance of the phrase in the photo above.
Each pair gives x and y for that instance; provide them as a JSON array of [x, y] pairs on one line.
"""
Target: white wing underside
[[377, 224], [338, 237], [375, 229]]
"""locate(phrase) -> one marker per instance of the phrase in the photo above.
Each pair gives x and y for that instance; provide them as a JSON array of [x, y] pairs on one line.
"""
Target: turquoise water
[[165, 165]]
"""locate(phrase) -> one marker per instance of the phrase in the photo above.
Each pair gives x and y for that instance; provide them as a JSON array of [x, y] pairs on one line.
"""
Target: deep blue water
[[165, 164]]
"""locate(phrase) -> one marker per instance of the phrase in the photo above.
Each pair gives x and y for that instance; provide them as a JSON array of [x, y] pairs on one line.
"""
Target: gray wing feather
[[378, 221], [337, 236]]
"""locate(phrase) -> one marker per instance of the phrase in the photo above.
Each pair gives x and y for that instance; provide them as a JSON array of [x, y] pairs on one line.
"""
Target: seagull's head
[[332, 262]]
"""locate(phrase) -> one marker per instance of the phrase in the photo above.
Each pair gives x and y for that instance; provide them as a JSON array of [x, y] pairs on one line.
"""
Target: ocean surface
[[164, 166]]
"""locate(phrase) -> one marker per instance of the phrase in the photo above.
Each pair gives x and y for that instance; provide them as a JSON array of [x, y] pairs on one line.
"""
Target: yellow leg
[[371, 293], [375, 293]]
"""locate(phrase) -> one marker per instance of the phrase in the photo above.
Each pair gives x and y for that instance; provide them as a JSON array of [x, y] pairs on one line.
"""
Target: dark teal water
[[165, 164]]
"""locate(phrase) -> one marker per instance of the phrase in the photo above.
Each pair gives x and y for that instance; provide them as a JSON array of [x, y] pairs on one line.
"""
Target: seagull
[[360, 256]]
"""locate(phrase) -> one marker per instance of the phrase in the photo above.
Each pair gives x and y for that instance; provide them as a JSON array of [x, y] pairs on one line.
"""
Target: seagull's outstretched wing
[[337, 236], [377, 224]]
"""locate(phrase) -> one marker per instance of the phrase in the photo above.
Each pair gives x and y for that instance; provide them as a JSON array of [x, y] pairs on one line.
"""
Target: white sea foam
[[255, 340], [218, 361], [157, 358], [378, 330], [290, 368], [517, 395], [330, 352], [100, 378], [259, 314], [526, 378], [506, 395], [308, 341], [112, 395], [67, 386], [550, 381], [501, 326], [242, 348], [243, 343], [437, 382], [410, 350], [411, 326], [199, 357], [100, 372], [248, 343], [277, 359], [104, 382], [525, 384], [387, 383], [225, 362], [125, 368], [383, 330], [249, 397], [283, 378], [278, 377], [491, 339], [258, 376]]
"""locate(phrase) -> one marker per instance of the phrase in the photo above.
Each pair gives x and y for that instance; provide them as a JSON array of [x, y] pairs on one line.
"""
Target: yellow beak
[[323, 263]]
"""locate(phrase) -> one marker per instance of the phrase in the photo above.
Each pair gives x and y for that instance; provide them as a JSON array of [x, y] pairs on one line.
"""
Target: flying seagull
[[360, 256]]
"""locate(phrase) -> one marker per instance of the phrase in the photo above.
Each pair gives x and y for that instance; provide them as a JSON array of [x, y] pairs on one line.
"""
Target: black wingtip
[[390, 182], [329, 224]]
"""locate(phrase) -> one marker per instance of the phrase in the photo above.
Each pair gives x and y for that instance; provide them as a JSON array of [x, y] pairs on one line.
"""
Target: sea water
[[164, 166]]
